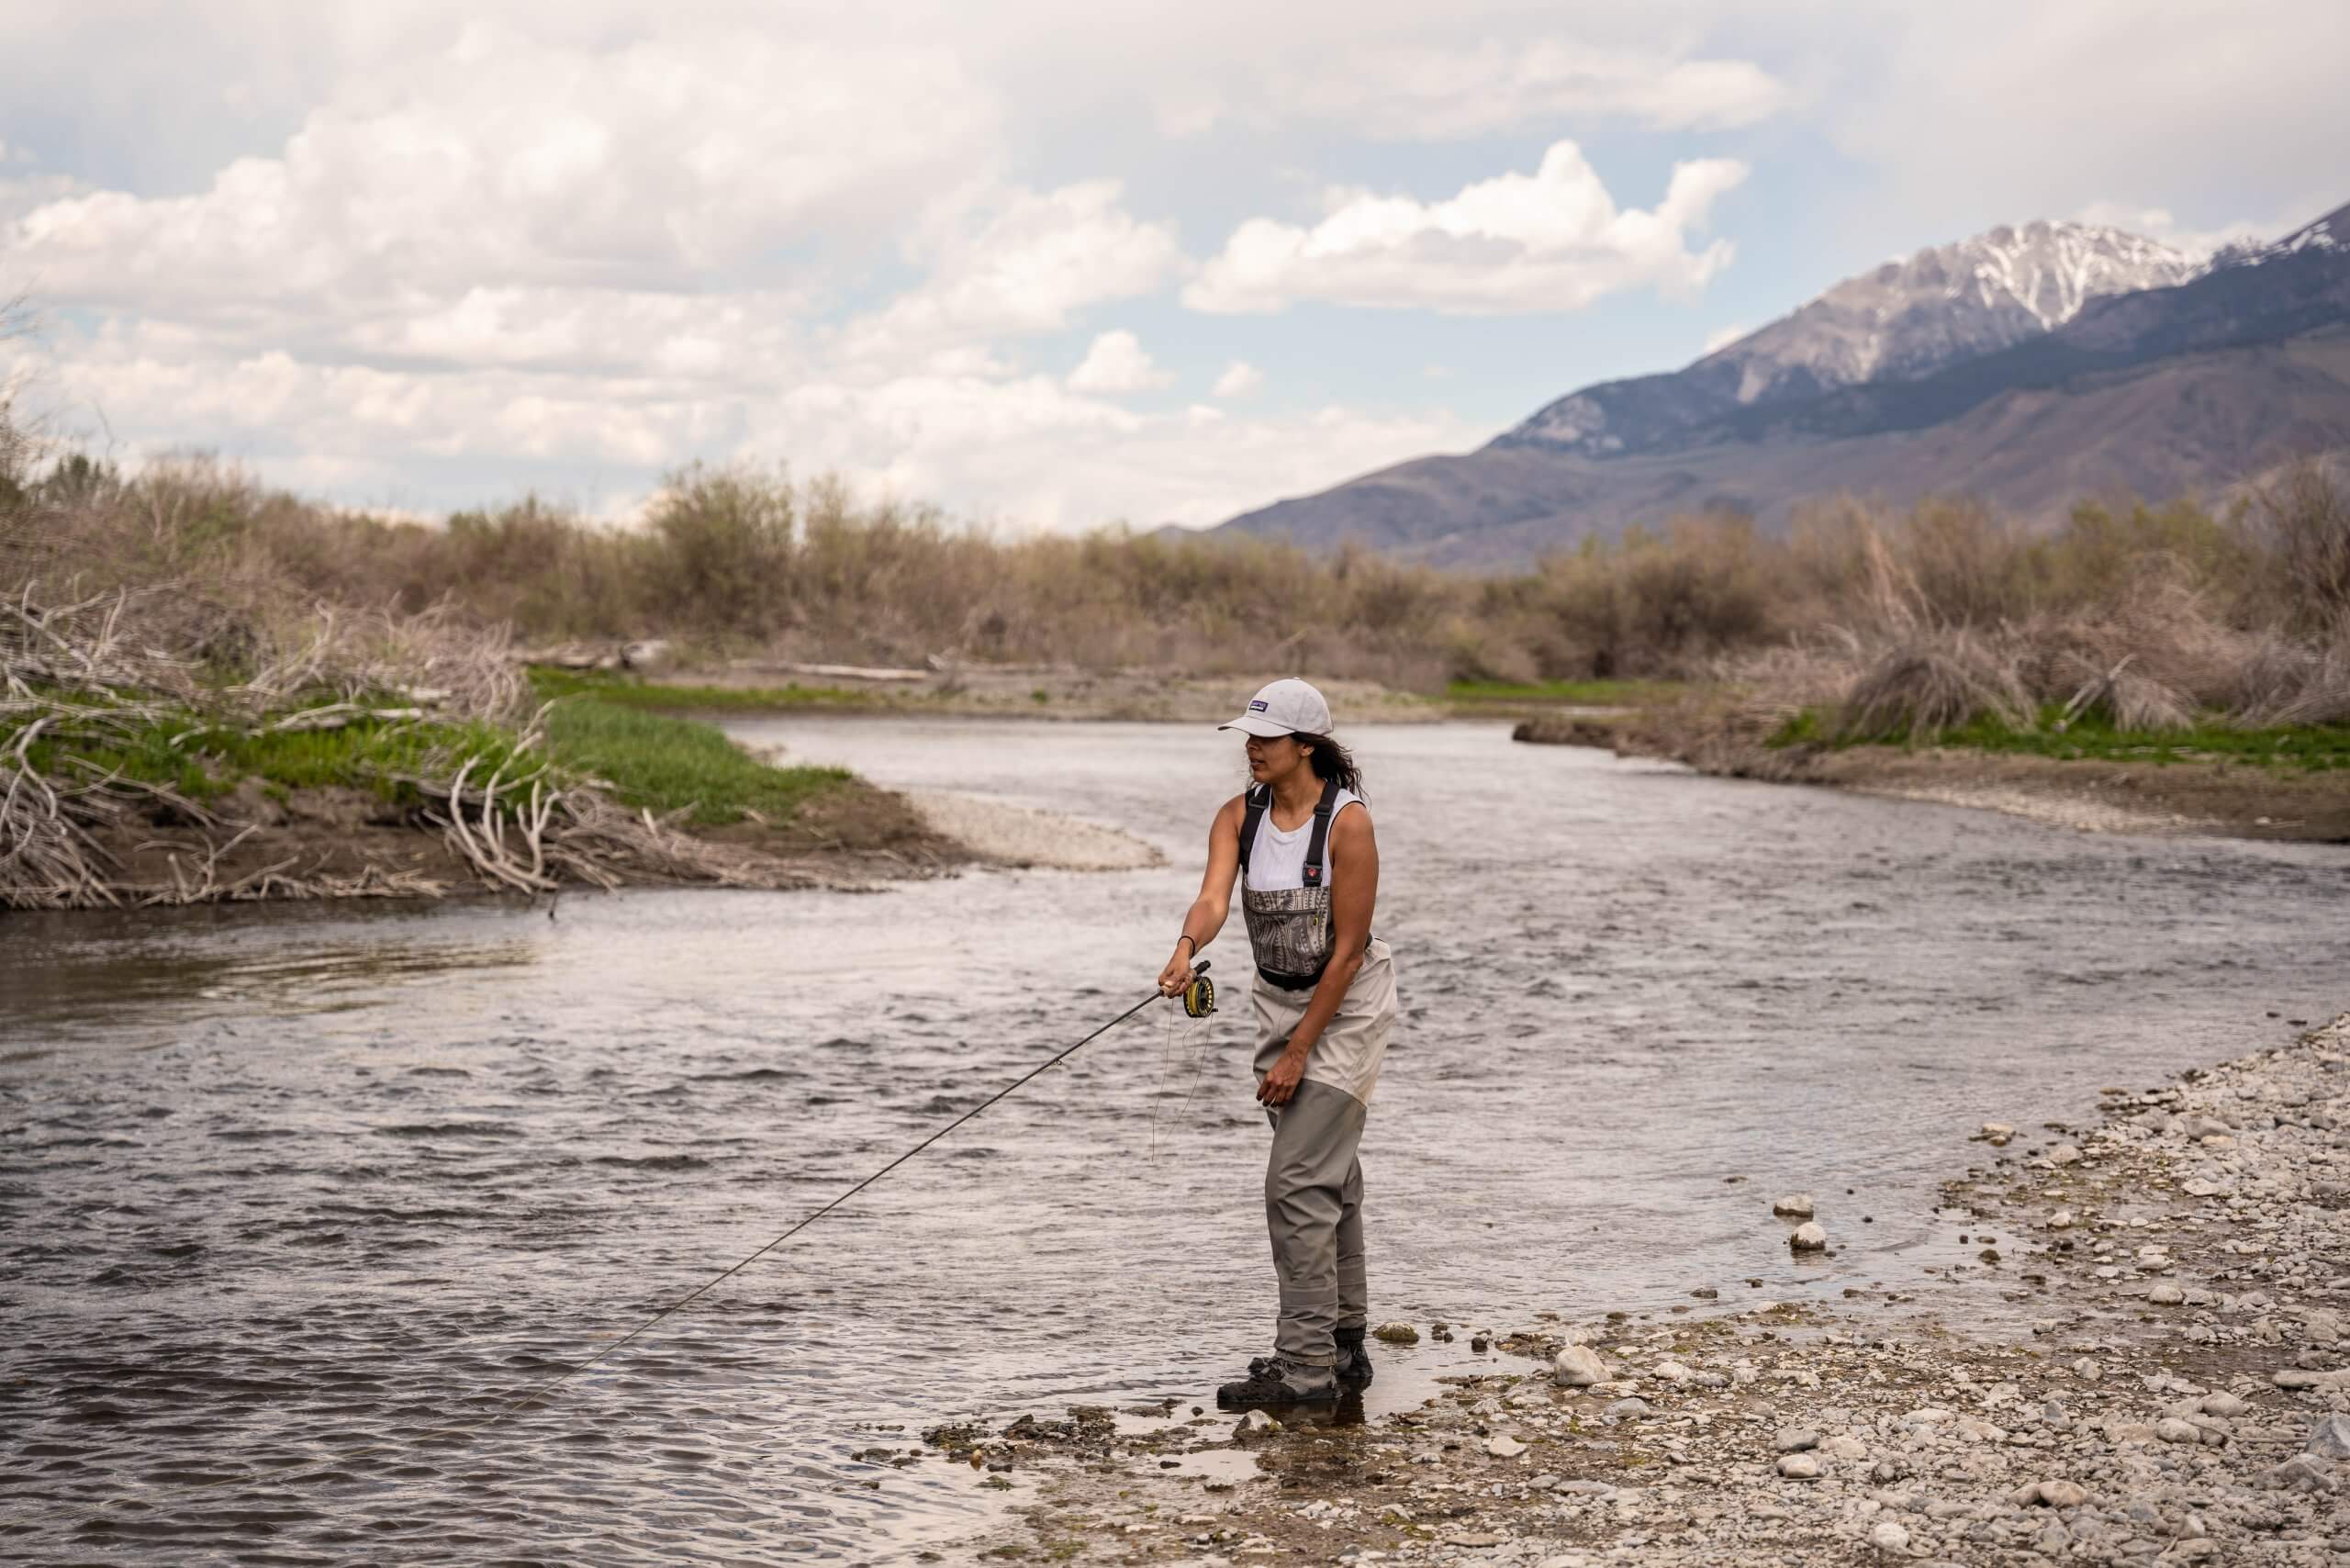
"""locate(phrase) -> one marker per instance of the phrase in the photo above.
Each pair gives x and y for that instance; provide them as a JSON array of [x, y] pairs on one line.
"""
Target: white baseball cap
[[1284, 708]]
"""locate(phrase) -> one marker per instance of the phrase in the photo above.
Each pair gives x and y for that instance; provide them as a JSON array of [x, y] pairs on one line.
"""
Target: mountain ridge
[[2229, 365]]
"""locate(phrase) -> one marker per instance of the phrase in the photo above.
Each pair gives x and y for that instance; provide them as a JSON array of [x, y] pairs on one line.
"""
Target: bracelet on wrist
[[1186, 936]]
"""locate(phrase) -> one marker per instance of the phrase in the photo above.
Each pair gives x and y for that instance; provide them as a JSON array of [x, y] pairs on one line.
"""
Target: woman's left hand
[[1283, 1081]]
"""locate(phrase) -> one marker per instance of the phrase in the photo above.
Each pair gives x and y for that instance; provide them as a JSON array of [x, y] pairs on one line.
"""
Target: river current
[[306, 1184]]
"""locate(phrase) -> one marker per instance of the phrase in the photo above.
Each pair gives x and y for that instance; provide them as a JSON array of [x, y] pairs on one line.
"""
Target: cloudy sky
[[1047, 265]]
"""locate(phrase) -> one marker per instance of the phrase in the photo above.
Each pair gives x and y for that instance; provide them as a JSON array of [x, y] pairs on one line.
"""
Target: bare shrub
[[1930, 681], [2298, 527]]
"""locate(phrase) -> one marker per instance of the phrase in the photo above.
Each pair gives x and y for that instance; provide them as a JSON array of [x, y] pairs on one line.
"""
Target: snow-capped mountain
[[1906, 320], [2031, 367]]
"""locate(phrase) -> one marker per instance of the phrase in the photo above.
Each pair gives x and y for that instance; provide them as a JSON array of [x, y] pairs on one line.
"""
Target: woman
[[1299, 841]]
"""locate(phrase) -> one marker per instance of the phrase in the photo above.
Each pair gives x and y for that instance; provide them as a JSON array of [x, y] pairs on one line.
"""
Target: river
[[303, 1183]]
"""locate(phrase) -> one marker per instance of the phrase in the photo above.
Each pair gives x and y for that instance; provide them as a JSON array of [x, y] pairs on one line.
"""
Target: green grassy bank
[[2297, 748], [642, 759]]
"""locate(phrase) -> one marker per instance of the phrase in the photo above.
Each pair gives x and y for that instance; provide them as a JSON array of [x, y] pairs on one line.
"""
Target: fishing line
[[539, 1389]]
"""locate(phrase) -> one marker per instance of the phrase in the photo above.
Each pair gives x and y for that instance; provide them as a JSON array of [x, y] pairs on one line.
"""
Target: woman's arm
[[1208, 911], [1354, 890]]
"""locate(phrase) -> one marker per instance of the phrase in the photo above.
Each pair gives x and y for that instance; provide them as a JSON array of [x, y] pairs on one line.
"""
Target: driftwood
[[74, 678]]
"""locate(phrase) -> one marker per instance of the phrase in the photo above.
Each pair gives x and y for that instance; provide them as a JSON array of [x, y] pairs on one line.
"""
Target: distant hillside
[[2029, 366]]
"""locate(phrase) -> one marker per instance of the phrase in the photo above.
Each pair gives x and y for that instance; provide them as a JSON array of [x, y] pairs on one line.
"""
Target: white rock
[[1887, 1536], [2224, 1405], [1843, 1447], [1800, 1466], [1795, 1205], [1503, 1446], [2171, 1429], [1809, 1238], [2165, 1294], [1578, 1366], [2062, 1494], [2061, 1220], [2329, 1439], [1670, 1372], [2065, 1154], [1996, 1134], [1255, 1421]]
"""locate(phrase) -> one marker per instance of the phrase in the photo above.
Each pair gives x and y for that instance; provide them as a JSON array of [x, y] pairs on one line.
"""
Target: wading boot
[[1272, 1384], [1353, 1367]]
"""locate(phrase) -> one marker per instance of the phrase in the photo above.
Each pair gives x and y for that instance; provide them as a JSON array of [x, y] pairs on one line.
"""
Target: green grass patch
[[650, 759], [2306, 748], [205, 762], [657, 697], [1590, 693]]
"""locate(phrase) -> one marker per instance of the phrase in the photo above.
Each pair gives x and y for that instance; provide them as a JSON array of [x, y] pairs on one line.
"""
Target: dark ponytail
[[1330, 760]]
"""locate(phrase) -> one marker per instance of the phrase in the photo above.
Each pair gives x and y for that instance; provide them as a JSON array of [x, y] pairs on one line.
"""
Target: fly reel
[[1199, 997]]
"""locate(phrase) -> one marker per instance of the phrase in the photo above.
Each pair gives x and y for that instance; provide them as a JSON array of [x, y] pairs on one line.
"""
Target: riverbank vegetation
[[2216, 632], [2158, 617], [186, 718]]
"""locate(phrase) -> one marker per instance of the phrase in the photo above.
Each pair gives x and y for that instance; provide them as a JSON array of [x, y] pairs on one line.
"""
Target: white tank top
[[1278, 859]]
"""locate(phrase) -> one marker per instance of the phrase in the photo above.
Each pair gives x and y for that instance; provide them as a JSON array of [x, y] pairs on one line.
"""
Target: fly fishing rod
[[1198, 999]]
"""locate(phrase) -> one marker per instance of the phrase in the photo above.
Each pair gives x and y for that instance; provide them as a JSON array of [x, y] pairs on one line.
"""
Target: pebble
[[1578, 1366], [2065, 1154], [2165, 1294], [1809, 1238], [2172, 1430], [1999, 1135], [1795, 1205], [1670, 1372], [1397, 1333], [1799, 1467], [2061, 1494], [2329, 1439], [1794, 1439], [1501, 1445], [2223, 1405], [1626, 1410], [1887, 1536]]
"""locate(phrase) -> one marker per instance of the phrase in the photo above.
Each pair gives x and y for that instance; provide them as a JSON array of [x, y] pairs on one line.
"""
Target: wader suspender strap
[[1319, 845], [1258, 797], [1317, 848]]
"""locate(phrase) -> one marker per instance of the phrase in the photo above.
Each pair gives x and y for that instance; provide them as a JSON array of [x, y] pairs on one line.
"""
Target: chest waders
[[1288, 929]]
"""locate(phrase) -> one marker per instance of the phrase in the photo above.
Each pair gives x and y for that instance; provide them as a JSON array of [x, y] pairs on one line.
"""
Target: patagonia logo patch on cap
[[1256, 704]]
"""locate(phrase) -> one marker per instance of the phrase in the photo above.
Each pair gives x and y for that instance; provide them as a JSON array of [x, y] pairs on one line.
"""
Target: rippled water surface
[[289, 1184]]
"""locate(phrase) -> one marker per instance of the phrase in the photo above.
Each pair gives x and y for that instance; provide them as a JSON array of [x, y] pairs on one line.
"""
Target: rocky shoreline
[[2181, 1392]]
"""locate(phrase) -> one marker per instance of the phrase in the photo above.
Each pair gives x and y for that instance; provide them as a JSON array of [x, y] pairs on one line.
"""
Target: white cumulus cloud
[[1028, 263], [1116, 363], [662, 163], [1553, 239], [1239, 379]]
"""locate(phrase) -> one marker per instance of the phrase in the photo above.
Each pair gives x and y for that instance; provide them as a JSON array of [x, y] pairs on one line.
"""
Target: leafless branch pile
[[91, 676]]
